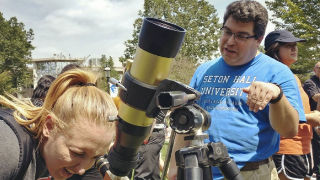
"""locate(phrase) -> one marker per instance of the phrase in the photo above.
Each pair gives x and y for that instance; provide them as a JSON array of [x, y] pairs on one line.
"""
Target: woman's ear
[[48, 126]]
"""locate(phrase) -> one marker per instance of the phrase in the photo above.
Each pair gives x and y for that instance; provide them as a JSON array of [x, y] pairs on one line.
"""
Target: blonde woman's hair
[[71, 98]]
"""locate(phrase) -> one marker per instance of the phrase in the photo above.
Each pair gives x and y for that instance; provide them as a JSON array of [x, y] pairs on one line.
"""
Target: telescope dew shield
[[159, 43]]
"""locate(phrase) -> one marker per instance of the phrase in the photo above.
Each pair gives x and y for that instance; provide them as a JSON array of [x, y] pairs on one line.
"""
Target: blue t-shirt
[[247, 135]]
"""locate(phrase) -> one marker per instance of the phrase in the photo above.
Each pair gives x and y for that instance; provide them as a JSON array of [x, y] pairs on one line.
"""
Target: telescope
[[159, 43], [146, 95]]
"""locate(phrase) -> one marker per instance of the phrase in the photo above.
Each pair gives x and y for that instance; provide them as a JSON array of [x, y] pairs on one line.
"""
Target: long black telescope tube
[[159, 43]]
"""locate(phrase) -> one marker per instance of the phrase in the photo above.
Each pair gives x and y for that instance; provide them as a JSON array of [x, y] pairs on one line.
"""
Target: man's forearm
[[284, 118], [313, 118], [316, 97]]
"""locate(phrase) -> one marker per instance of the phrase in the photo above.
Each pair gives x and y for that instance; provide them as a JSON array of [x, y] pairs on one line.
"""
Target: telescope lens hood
[[161, 38]]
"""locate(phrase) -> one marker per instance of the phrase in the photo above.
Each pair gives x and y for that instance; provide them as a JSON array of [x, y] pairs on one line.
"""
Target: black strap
[[26, 143], [143, 93], [273, 101]]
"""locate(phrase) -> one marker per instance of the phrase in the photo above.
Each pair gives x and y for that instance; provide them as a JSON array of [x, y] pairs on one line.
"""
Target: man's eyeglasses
[[237, 36]]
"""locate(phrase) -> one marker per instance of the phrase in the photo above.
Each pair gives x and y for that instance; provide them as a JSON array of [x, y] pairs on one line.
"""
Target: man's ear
[[260, 40], [48, 126]]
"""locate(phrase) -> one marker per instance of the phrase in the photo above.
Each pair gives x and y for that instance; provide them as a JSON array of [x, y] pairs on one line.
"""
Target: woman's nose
[[83, 166], [81, 171]]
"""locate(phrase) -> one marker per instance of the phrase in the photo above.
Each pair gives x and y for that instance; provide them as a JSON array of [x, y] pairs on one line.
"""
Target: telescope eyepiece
[[102, 164]]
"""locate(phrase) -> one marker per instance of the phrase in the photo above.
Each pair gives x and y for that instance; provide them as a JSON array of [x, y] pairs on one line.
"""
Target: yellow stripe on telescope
[[150, 68], [134, 116]]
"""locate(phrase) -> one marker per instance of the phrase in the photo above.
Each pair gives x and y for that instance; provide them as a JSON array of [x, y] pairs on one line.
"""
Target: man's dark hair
[[248, 11], [68, 67], [40, 92]]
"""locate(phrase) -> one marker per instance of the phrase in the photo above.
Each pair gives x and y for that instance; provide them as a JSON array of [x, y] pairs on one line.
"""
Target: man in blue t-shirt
[[251, 97]]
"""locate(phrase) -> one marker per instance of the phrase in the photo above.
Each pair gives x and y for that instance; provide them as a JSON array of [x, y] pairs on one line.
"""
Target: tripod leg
[[168, 155], [192, 170], [207, 173], [230, 170]]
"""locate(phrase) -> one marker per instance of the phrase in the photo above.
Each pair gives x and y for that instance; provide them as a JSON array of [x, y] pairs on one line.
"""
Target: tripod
[[195, 160], [192, 161]]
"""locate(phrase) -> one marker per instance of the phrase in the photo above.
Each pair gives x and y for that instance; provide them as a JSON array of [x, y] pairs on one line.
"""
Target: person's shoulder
[[308, 81], [9, 150], [203, 67], [271, 61], [201, 71], [275, 67], [311, 80], [16, 145], [209, 63]]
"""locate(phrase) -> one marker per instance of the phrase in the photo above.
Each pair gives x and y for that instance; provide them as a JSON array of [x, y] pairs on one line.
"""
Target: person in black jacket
[[312, 88]]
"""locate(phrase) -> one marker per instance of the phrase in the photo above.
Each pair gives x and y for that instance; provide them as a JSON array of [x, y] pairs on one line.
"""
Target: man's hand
[[313, 118], [283, 117], [316, 98], [260, 94]]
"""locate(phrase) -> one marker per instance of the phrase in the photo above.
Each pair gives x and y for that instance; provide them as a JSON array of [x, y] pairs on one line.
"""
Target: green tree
[[301, 17], [198, 17], [15, 53], [182, 70], [106, 62]]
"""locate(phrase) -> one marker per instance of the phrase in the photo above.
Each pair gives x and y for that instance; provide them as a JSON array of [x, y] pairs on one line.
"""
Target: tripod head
[[188, 118]]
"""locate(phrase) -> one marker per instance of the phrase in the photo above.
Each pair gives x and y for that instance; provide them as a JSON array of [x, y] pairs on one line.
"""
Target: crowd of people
[[268, 120]]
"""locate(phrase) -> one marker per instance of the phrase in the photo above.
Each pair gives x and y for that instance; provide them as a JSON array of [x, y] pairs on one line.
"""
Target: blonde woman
[[67, 133]]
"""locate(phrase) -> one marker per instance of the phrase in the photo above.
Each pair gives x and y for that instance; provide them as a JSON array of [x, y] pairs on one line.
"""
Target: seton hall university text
[[207, 89]]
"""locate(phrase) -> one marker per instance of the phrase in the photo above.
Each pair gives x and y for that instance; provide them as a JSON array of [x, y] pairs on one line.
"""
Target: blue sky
[[82, 28]]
